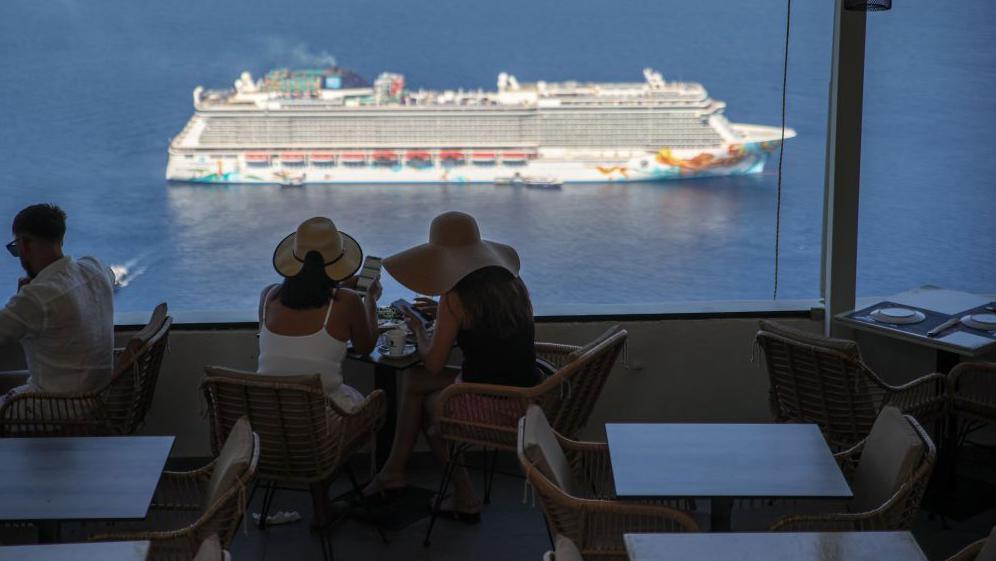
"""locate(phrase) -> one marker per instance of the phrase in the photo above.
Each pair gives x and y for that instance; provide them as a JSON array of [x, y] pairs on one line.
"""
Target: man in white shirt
[[63, 311]]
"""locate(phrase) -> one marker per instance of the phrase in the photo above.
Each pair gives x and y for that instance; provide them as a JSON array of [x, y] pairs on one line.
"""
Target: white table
[[723, 462], [940, 300], [102, 551], [775, 546]]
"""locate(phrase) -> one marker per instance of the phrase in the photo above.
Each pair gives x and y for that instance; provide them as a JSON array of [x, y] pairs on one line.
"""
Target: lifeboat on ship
[[353, 158], [258, 158], [514, 158], [418, 158], [323, 158], [385, 157], [452, 157], [483, 157], [293, 158]]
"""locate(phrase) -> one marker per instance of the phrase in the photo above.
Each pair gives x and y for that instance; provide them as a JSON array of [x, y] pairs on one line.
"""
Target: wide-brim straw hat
[[340, 252], [455, 250]]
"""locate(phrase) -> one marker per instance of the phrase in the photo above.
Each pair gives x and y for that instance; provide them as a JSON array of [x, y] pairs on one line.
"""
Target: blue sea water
[[91, 92]]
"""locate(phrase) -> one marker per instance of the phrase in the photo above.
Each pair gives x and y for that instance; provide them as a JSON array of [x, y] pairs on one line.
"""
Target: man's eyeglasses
[[13, 248]]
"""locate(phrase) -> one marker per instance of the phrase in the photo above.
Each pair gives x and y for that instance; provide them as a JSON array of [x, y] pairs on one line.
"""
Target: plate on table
[[898, 316], [985, 322], [385, 351]]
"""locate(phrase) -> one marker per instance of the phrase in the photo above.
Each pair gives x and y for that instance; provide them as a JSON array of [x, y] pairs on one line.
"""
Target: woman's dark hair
[[309, 289], [495, 300], [43, 221]]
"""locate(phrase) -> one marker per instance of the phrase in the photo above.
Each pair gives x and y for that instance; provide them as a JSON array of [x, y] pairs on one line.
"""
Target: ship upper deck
[[510, 94]]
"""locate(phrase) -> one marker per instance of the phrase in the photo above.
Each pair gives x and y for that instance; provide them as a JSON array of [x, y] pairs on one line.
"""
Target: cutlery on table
[[940, 328]]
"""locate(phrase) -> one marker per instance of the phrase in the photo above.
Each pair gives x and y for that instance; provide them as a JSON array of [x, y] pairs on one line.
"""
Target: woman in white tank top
[[306, 322]]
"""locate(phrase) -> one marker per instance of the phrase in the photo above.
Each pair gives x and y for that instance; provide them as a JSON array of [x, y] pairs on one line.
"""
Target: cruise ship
[[329, 125]]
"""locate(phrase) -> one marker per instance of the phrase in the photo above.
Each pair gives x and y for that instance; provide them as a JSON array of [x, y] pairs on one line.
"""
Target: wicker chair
[[981, 550], [574, 483], [183, 513], [306, 437], [889, 480], [119, 408], [822, 380], [972, 395], [487, 415]]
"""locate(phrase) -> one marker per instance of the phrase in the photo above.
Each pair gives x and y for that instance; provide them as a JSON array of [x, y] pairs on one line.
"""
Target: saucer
[[898, 316], [985, 322], [410, 350], [389, 324]]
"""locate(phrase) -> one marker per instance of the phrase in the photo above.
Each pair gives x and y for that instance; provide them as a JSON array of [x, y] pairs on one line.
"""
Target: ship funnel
[[245, 83], [197, 94], [502, 81], [654, 79]]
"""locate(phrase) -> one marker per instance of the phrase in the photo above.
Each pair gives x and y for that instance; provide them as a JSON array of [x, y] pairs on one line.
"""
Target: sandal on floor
[[469, 513], [378, 487]]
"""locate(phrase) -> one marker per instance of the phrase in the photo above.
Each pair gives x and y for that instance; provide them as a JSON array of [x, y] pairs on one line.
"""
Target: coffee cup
[[396, 339]]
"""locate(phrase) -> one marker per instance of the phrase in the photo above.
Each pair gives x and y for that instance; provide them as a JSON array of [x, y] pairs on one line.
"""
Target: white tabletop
[[941, 300], [102, 551], [723, 461], [775, 546]]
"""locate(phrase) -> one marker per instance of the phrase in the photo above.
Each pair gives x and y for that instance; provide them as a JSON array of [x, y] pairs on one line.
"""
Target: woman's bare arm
[[363, 320], [263, 301], [436, 351]]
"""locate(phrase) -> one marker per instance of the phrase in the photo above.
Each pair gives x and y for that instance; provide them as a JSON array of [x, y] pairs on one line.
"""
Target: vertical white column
[[843, 164]]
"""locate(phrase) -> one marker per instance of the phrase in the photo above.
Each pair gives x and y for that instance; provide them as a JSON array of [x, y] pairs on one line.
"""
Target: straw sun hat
[[340, 252], [455, 250]]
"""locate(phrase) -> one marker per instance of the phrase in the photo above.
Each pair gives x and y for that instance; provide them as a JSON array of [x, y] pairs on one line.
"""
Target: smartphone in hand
[[367, 274], [404, 307]]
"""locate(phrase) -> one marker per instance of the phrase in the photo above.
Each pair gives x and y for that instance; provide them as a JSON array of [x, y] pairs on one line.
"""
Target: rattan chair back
[[819, 380], [120, 407], [128, 397], [487, 415], [569, 395], [38, 414], [972, 392], [300, 435]]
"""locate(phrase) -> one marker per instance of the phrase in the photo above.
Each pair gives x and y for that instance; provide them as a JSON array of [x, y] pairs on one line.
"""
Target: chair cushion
[[574, 355], [210, 550], [543, 450], [843, 345], [890, 455], [565, 550], [232, 461], [988, 551]]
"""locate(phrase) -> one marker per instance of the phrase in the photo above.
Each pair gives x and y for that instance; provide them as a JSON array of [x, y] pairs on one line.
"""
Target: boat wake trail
[[125, 273]]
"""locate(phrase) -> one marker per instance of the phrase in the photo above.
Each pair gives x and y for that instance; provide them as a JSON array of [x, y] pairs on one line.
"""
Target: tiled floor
[[508, 530], [513, 530]]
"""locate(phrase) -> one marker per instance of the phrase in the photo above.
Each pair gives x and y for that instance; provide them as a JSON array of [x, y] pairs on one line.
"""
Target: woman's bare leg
[[416, 384], [463, 488]]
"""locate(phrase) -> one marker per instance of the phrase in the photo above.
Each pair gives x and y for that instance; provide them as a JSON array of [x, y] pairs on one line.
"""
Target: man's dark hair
[[43, 221]]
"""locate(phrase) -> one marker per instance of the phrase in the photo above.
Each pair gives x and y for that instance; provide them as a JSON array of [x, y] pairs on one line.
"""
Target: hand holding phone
[[368, 273], [406, 309]]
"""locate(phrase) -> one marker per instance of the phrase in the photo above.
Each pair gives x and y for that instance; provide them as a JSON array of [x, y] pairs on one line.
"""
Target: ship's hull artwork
[[664, 165]]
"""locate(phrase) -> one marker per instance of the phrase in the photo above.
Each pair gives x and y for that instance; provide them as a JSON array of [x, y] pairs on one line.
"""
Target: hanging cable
[[781, 147]]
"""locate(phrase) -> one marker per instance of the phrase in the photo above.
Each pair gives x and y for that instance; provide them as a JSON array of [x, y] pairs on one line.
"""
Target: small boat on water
[[285, 179], [509, 180], [120, 273], [536, 182], [542, 183]]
